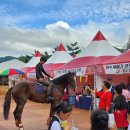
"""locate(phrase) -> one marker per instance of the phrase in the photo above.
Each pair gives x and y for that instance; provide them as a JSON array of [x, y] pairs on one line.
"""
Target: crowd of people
[[112, 100]]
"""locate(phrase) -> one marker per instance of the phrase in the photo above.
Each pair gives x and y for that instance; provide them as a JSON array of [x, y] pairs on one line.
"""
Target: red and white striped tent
[[98, 51], [59, 58]]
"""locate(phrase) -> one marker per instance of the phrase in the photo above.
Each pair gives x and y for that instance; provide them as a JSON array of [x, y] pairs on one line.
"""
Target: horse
[[26, 90]]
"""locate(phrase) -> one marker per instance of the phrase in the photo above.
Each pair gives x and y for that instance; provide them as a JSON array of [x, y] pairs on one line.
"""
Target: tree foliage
[[25, 58], [73, 48]]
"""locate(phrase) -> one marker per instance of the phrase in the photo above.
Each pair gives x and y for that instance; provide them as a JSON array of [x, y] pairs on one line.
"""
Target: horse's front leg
[[53, 105], [51, 114]]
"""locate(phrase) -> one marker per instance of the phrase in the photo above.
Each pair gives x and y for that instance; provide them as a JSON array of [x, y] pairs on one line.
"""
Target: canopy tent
[[98, 51], [122, 58], [11, 64], [118, 65], [59, 58]]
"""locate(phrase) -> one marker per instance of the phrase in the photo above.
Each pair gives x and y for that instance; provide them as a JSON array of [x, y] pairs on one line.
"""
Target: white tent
[[34, 60], [17, 64], [99, 47], [59, 58], [98, 51]]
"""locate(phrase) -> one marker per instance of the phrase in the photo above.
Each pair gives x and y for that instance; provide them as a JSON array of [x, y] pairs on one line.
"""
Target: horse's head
[[68, 79], [72, 80]]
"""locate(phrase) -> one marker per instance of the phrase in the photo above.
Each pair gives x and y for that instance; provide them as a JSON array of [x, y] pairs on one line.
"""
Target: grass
[[3, 89]]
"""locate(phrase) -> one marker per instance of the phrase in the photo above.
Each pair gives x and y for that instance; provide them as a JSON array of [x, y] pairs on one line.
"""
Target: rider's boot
[[49, 98]]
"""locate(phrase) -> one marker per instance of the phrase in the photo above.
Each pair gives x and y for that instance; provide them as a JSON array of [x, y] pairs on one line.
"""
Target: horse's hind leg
[[18, 112], [16, 120]]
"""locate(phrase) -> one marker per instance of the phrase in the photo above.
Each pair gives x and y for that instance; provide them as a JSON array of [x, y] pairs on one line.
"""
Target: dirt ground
[[35, 115]]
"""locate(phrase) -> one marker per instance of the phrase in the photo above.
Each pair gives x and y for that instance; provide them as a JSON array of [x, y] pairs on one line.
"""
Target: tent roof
[[97, 52], [99, 47], [122, 58], [34, 60], [99, 36], [17, 64], [37, 54], [60, 56], [61, 48]]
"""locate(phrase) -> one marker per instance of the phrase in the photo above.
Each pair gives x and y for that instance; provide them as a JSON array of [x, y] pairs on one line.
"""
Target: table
[[85, 102]]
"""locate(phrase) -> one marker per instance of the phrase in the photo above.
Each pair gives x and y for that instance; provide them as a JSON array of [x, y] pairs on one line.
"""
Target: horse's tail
[[6, 106]]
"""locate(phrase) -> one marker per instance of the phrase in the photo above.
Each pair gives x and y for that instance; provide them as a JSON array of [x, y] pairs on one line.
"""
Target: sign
[[122, 68], [79, 71], [31, 75]]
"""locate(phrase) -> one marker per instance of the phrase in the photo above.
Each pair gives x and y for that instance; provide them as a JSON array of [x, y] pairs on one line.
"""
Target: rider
[[40, 77]]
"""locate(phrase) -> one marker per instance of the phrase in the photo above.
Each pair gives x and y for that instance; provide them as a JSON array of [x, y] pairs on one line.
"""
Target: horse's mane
[[62, 79]]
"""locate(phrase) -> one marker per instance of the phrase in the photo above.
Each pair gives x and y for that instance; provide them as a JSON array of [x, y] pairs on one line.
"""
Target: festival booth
[[118, 67], [98, 51]]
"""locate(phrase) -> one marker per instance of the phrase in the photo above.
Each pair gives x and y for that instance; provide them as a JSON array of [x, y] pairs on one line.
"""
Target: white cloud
[[18, 41]]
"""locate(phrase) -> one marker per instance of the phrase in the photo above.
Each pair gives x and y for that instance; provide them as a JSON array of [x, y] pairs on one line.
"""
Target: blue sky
[[74, 17]]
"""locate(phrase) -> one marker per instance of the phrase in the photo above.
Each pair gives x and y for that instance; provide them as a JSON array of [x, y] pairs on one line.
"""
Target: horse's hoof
[[17, 124], [21, 127]]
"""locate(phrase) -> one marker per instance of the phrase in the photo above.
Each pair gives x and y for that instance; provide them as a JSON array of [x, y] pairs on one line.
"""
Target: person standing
[[40, 77], [59, 121], [120, 112], [105, 96], [112, 90], [110, 81]]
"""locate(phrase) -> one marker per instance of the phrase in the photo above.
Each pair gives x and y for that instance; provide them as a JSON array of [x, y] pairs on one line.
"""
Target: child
[[62, 112], [99, 120], [120, 113]]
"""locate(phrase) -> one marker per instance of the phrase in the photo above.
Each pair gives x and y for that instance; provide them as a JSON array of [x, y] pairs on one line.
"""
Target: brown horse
[[26, 90]]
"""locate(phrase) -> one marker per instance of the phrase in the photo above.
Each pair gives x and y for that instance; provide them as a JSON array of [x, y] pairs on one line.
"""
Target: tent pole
[[95, 79]]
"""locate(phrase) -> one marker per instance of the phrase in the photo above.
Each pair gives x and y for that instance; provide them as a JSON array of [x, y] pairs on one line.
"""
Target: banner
[[122, 68], [31, 75], [79, 71]]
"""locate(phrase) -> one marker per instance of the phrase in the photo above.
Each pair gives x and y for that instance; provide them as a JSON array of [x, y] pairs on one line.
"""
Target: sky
[[42, 25]]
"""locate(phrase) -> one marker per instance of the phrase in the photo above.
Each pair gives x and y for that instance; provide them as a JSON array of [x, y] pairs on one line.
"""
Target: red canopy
[[122, 58], [84, 61]]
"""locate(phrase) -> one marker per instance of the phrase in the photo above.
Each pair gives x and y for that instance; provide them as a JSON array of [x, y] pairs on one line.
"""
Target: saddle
[[40, 88]]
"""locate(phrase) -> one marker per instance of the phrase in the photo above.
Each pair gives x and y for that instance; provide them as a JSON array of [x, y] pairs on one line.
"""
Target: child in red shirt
[[120, 113]]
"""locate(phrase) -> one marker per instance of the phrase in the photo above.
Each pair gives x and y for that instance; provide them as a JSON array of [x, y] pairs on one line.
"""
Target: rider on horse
[[40, 77]]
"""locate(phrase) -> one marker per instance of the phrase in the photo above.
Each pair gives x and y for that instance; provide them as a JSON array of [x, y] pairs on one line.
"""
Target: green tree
[[25, 58], [73, 48]]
